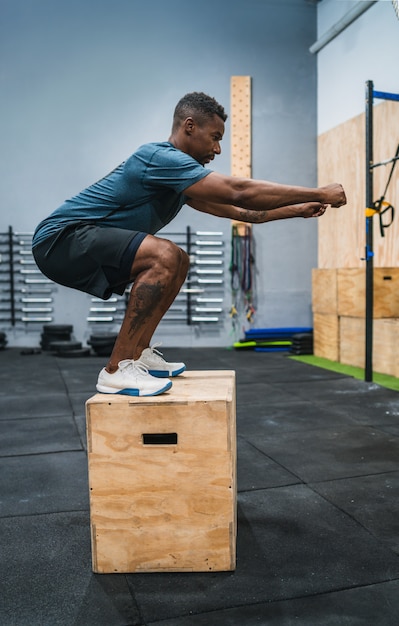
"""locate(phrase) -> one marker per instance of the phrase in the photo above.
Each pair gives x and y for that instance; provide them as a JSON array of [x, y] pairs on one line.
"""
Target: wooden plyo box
[[342, 291], [162, 477], [326, 336], [385, 353], [351, 283], [324, 291]]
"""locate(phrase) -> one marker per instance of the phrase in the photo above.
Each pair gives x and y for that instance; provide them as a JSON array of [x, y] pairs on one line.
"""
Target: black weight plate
[[69, 354], [57, 328], [65, 345]]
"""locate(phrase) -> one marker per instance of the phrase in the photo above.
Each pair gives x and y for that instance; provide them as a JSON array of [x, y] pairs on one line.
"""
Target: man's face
[[204, 140]]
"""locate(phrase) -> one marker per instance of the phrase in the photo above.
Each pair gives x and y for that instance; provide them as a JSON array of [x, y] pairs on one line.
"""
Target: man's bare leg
[[159, 270]]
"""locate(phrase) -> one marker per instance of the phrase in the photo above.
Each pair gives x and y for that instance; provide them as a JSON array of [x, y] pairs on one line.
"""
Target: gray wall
[[357, 54], [84, 83]]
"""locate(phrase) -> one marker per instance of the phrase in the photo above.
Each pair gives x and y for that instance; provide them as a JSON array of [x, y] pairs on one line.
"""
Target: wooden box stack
[[351, 292], [338, 302], [162, 477], [325, 314]]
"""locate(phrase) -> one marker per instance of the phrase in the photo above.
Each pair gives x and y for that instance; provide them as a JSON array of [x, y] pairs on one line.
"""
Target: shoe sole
[[163, 374], [130, 391]]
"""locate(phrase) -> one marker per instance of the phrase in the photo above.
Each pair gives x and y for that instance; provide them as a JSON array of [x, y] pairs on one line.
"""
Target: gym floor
[[318, 502]]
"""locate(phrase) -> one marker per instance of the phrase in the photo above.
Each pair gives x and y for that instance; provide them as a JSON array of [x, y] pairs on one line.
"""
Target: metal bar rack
[[370, 96], [26, 296], [202, 296]]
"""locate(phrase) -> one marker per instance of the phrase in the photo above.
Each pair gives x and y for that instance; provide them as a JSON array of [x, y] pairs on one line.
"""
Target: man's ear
[[189, 125]]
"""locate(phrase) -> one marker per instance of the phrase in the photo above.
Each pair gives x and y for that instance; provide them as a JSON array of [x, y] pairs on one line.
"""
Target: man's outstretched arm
[[304, 209], [260, 195]]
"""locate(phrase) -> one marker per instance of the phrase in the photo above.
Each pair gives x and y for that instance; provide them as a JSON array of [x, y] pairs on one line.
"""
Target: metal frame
[[369, 253]]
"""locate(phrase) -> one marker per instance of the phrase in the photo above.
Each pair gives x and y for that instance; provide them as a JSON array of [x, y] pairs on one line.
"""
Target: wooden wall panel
[[341, 158]]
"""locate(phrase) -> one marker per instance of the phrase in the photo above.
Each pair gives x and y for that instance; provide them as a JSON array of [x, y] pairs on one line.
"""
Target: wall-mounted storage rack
[[202, 296], [26, 296]]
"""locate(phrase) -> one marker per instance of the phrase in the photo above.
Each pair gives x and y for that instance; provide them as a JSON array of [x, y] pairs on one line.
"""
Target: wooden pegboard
[[241, 126], [241, 163]]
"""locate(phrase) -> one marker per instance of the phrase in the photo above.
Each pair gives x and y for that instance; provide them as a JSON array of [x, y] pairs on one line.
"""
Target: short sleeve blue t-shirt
[[143, 193]]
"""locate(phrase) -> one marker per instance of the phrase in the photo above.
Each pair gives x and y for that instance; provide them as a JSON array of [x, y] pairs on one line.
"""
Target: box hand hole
[[159, 439]]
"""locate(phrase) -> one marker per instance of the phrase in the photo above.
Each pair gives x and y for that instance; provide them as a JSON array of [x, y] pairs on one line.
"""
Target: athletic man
[[103, 239]]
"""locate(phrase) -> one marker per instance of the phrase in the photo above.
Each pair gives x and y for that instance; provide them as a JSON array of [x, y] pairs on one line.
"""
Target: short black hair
[[199, 105]]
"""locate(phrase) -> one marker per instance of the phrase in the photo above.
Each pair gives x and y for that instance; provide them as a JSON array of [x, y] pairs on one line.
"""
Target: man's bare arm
[[305, 209], [259, 195]]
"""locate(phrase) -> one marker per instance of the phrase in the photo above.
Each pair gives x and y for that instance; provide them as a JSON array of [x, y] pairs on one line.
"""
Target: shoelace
[[128, 364], [156, 352]]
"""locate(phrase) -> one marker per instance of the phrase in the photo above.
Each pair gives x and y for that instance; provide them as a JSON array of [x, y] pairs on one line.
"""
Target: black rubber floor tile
[[80, 375], [380, 410], [257, 471], [249, 365], [78, 401], [257, 394], [48, 579], [393, 429], [374, 604], [295, 423], [199, 358], [43, 483], [41, 403], [350, 388], [291, 542], [272, 418], [366, 403], [26, 376], [80, 421], [328, 454], [38, 435], [371, 500], [285, 373]]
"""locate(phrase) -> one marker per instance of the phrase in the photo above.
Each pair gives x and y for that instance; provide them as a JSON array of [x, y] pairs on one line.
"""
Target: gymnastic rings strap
[[382, 207]]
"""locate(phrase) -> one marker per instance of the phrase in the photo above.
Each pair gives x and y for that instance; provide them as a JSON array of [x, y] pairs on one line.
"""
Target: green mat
[[356, 372]]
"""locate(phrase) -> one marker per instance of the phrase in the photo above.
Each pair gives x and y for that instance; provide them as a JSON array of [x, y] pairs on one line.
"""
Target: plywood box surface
[[385, 352], [162, 476], [324, 291], [351, 290], [326, 336], [352, 341], [341, 154], [385, 346]]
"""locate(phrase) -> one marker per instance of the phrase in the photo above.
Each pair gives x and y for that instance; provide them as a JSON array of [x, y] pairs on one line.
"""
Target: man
[[103, 239]]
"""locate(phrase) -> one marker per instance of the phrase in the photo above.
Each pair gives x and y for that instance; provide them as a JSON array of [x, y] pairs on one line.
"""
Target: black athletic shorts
[[90, 258]]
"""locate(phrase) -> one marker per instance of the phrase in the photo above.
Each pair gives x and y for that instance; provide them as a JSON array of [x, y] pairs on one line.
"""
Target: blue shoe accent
[[163, 374], [135, 392], [179, 371], [165, 388], [128, 392]]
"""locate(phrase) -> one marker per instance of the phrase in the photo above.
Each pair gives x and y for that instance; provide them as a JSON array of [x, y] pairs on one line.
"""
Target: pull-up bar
[[369, 255], [384, 95]]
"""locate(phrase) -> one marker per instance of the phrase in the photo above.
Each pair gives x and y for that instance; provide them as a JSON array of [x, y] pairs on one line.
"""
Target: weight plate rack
[[26, 295], [201, 298]]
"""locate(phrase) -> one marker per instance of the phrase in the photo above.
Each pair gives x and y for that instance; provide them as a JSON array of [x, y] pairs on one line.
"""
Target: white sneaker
[[153, 360], [131, 379]]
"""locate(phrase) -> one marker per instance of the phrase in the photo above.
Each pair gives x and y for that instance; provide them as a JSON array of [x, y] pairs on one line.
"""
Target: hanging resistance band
[[241, 265]]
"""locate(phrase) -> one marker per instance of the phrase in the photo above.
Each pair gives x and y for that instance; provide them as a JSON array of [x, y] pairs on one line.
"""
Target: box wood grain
[[162, 477]]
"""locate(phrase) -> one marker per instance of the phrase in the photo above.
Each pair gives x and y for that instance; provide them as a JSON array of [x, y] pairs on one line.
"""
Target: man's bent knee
[[160, 254], [185, 261]]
